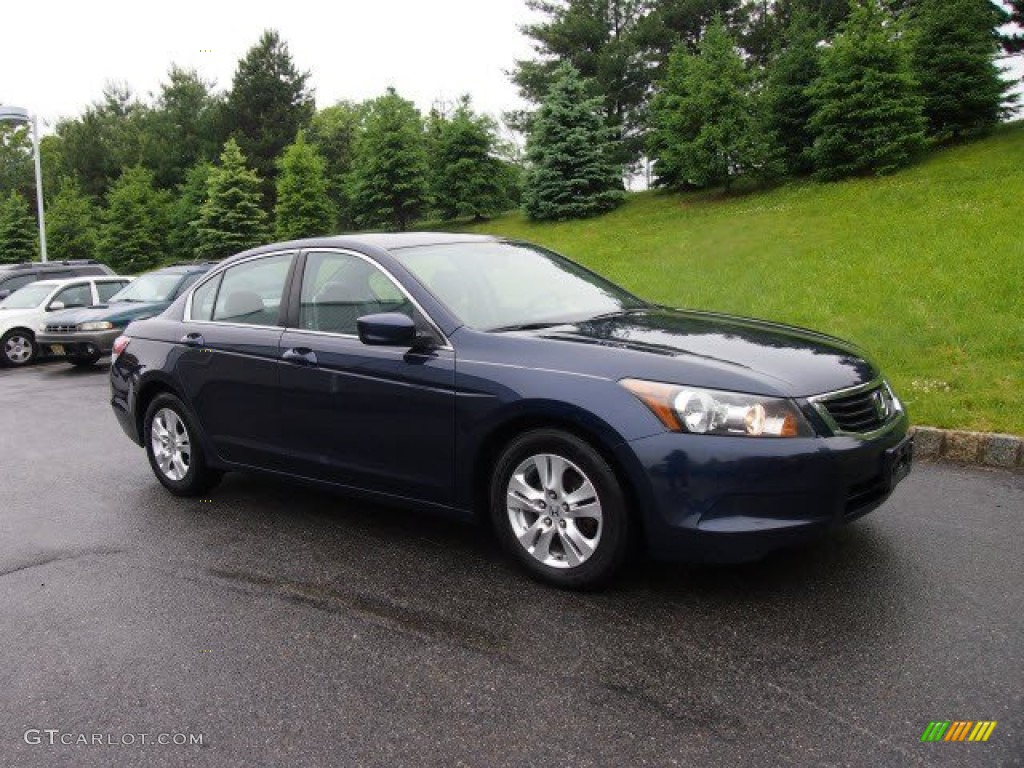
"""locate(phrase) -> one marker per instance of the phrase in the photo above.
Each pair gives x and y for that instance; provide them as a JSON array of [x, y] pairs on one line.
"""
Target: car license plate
[[899, 460], [57, 349]]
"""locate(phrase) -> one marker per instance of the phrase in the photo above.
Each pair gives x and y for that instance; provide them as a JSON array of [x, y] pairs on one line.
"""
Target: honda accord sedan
[[487, 378]]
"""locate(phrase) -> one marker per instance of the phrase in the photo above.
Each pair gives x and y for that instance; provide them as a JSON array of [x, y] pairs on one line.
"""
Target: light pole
[[20, 115]]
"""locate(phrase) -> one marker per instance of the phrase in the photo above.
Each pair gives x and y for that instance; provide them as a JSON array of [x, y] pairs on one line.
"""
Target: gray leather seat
[[336, 308], [242, 306]]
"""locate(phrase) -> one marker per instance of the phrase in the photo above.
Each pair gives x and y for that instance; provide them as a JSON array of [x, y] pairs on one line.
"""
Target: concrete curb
[[986, 449]]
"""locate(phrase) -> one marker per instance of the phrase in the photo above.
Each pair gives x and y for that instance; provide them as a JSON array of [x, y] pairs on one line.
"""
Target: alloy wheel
[[18, 349], [554, 511], [171, 444]]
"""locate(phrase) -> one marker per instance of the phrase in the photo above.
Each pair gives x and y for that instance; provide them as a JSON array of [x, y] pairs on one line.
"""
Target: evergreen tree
[[71, 223], [788, 104], [868, 114], [709, 130], [17, 230], [183, 238], [389, 174], [232, 217], [182, 127], [953, 44], [269, 102], [1014, 41], [134, 236], [334, 132], [304, 207], [466, 177], [572, 170]]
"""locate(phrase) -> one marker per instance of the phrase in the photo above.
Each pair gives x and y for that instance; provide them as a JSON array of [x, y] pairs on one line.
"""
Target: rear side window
[[14, 283], [203, 298], [251, 293], [106, 290]]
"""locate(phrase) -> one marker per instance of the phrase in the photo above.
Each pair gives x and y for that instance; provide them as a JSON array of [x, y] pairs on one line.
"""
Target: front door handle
[[193, 340], [300, 356]]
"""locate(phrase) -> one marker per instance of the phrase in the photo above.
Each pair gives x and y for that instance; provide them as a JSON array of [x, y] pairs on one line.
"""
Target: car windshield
[[508, 286], [31, 295], [156, 286]]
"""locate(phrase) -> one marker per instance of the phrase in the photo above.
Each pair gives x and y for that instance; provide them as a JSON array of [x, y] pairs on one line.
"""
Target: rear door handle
[[300, 356], [193, 340]]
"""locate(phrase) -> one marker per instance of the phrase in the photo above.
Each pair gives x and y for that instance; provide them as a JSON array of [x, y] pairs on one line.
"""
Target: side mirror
[[55, 305], [390, 329]]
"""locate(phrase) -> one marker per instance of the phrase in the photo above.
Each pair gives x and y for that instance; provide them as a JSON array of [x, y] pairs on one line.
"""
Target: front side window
[[74, 296], [251, 293], [107, 289], [339, 288]]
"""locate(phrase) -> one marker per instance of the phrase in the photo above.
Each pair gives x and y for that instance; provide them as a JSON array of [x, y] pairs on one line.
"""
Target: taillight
[[120, 345]]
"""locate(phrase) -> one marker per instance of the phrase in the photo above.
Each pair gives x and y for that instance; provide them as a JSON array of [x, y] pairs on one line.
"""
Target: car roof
[[386, 241]]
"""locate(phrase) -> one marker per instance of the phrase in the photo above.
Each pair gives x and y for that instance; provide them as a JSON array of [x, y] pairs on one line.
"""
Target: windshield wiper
[[616, 313], [528, 326]]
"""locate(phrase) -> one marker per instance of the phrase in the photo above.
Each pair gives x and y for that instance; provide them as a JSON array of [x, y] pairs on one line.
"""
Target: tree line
[[194, 173], [707, 93]]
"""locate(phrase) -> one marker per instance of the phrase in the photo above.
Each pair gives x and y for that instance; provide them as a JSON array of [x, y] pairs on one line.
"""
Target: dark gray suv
[[15, 276]]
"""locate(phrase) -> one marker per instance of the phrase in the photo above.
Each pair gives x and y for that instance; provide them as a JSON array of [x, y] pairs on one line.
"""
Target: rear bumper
[[81, 342], [722, 499]]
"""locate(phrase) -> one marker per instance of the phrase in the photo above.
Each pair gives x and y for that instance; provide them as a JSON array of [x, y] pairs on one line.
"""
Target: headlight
[[102, 325], [711, 412], [41, 328]]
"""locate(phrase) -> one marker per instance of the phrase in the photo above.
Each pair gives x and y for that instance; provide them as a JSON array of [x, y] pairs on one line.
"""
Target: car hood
[[117, 314], [11, 316], [759, 355]]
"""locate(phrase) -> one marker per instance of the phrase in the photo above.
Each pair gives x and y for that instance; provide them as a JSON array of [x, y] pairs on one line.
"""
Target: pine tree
[[17, 230], [134, 236], [466, 176], [232, 218], [304, 207], [1014, 41], [868, 114], [183, 238], [572, 172], [334, 131], [71, 223], [953, 44], [389, 175], [269, 102], [708, 126], [789, 106]]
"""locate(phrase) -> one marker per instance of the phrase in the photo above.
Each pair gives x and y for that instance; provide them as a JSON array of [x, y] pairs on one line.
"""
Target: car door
[[228, 357], [372, 417]]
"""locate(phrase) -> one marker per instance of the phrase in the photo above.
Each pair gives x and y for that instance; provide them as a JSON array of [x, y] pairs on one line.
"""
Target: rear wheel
[[173, 448], [18, 347], [559, 509]]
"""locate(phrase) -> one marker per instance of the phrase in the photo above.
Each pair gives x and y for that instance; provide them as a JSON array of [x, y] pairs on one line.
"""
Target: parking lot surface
[[287, 626]]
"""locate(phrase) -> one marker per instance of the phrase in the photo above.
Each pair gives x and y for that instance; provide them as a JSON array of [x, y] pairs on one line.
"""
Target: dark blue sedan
[[475, 376]]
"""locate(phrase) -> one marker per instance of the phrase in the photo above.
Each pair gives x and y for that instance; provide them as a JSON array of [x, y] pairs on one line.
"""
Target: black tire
[[610, 531], [199, 477], [18, 347], [83, 361]]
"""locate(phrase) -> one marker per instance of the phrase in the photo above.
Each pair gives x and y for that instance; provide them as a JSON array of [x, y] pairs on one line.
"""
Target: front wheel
[[172, 445], [17, 347], [559, 509]]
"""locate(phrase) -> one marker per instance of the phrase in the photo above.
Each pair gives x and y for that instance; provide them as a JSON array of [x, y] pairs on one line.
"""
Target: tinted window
[[338, 288], [106, 290], [203, 298], [494, 285], [190, 278], [251, 292], [79, 295], [14, 283]]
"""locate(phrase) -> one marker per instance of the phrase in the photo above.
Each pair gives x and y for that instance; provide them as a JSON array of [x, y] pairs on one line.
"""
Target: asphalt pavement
[[283, 626]]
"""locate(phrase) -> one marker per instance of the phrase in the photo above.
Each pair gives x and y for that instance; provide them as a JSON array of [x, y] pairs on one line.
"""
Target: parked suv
[[83, 336], [15, 276], [23, 311]]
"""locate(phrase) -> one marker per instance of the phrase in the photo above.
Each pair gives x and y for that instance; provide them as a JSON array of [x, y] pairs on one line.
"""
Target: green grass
[[924, 269]]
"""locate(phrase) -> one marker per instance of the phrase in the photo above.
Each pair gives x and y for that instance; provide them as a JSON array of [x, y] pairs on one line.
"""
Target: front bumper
[[81, 343], [726, 499]]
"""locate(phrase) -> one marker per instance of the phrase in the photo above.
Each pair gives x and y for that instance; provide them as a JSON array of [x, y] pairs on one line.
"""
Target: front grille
[[860, 412], [61, 328]]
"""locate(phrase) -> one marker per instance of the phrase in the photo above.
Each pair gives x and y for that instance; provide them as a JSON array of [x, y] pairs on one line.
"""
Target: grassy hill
[[925, 269]]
